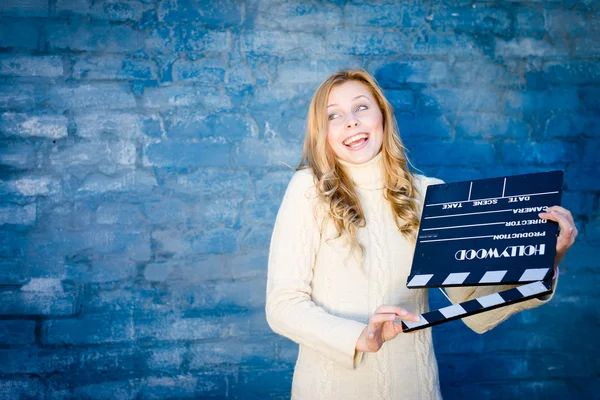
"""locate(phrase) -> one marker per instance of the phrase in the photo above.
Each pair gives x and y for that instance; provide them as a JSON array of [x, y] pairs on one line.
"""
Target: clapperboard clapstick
[[486, 232]]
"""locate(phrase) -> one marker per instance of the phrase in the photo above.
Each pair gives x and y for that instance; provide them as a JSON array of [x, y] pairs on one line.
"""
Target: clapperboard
[[486, 232]]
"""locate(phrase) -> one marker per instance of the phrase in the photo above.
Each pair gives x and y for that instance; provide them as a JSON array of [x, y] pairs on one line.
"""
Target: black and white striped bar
[[476, 278], [479, 305]]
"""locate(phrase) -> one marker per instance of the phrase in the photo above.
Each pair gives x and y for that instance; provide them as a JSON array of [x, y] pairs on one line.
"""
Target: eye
[[332, 117], [361, 108]]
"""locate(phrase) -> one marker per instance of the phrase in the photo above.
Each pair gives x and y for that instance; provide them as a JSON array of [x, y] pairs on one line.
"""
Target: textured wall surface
[[143, 153]]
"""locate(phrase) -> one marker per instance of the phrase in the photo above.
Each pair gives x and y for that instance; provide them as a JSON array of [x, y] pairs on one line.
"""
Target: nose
[[352, 121]]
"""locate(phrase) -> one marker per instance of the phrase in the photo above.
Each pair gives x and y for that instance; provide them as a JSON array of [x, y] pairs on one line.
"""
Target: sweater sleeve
[[290, 310], [487, 320]]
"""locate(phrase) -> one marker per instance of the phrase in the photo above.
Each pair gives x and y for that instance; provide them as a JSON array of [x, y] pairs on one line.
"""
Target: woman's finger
[[563, 211], [398, 311], [380, 318], [567, 232]]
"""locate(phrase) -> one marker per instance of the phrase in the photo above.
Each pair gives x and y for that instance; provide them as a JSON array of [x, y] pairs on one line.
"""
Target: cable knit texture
[[322, 299]]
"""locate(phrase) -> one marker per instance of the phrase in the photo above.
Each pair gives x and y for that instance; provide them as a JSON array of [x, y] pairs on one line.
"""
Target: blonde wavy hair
[[335, 187]]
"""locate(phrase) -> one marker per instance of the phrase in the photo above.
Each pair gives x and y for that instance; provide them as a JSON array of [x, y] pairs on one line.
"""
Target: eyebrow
[[360, 95]]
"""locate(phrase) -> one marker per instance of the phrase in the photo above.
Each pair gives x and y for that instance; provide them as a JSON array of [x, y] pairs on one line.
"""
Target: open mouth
[[357, 141]]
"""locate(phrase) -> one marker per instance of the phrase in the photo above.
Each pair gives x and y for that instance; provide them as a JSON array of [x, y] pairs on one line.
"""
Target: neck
[[368, 175]]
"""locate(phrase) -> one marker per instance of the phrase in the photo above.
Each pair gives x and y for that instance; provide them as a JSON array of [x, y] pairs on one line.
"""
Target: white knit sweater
[[322, 299]]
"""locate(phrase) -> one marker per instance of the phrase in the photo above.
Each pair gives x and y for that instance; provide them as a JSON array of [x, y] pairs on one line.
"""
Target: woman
[[342, 248]]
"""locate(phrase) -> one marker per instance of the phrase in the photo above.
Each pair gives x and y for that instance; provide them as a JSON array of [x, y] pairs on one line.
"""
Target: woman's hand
[[568, 231], [382, 328]]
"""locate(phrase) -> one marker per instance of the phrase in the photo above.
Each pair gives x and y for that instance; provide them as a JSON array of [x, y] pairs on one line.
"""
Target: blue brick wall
[[143, 153]]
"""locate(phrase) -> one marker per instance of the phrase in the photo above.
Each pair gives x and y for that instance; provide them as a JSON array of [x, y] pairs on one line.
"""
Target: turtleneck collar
[[368, 175]]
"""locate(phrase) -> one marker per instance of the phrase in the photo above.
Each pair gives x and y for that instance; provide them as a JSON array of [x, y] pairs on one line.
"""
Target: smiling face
[[354, 122]]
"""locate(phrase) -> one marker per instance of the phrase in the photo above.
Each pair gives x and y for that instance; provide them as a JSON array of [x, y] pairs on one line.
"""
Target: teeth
[[353, 139]]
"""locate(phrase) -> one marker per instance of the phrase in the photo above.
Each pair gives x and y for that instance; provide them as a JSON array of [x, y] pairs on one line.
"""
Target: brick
[[579, 203], [182, 125], [375, 43], [591, 152], [263, 206], [249, 294], [311, 71], [260, 153], [480, 20], [421, 126], [25, 8], [209, 71], [82, 153], [378, 16], [165, 211], [122, 390], [18, 155], [561, 23], [226, 13], [529, 47], [216, 213], [397, 75], [258, 237], [574, 72], [122, 214], [436, 101], [490, 126], [210, 182], [89, 330], [165, 359], [168, 242], [592, 232], [591, 98], [190, 269], [290, 16], [259, 383], [16, 333], [207, 356], [16, 35], [122, 181], [112, 68], [249, 265], [107, 96], [586, 46], [100, 124], [35, 360], [197, 39], [187, 96], [530, 22], [206, 385], [585, 178], [93, 37], [110, 11], [216, 241], [509, 74], [451, 153], [545, 153], [424, 43], [32, 303], [170, 328], [415, 16], [572, 125], [39, 66], [552, 99], [262, 43], [31, 388], [13, 272], [34, 186], [207, 153], [401, 100], [12, 214], [32, 125]]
